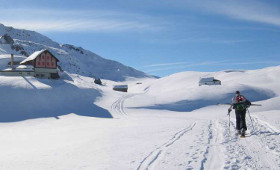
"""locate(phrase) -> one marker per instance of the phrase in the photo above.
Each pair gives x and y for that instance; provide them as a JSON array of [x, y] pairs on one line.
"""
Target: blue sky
[[159, 37]]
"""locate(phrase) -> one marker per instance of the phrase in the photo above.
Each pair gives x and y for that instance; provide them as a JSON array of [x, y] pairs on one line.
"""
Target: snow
[[32, 56], [75, 60], [167, 123], [5, 59]]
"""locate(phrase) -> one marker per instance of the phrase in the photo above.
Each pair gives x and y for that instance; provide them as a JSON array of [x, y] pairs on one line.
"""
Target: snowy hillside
[[177, 91], [72, 59], [167, 123]]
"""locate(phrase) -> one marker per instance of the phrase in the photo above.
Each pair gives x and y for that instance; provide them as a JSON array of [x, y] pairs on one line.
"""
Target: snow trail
[[118, 105], [213, 157], [259, 150], [206, 153], [156, 155], [269, 137]]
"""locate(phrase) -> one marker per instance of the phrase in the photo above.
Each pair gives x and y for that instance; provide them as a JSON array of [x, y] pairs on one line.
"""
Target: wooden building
[[44, 63]]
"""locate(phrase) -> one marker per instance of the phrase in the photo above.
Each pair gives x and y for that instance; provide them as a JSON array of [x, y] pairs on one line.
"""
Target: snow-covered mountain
[[72, 59]]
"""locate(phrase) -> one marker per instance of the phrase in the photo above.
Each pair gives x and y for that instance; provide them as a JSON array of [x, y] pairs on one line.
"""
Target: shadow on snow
[[251, 94], [17, 104]]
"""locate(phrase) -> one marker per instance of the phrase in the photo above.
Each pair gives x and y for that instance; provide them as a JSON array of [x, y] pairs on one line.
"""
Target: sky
[[159, 37]]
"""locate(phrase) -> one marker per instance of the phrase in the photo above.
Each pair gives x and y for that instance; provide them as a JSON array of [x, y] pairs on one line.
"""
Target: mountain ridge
[[75, 60]]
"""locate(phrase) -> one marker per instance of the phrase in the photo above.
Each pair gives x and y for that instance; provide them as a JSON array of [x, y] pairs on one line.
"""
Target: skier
[[240, 104]]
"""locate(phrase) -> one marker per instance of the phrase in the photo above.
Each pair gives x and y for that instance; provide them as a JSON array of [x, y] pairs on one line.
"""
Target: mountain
[[75, 60]]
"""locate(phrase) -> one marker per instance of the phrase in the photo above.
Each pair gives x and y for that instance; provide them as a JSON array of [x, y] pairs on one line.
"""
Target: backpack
[[241, 103]]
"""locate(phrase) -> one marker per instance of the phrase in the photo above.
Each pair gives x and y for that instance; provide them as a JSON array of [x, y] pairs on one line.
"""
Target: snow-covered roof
[[6, 58], [207, 79], [34, 55], [121, 86]]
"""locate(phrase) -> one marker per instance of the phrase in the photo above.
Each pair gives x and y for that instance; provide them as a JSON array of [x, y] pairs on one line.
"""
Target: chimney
[[12, 61]]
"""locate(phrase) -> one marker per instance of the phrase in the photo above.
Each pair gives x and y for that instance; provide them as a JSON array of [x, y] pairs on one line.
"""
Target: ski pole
[[229, 121], [251, 119]]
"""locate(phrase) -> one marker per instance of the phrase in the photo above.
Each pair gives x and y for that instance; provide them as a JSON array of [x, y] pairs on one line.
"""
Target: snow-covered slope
[[181, 91], [167, 123], [25, 98], [72, 59], [206, 138]]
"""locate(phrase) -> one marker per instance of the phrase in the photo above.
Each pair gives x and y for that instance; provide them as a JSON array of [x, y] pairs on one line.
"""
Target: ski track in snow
[[199, 150], [269, 137], [218, 155], [156, 155], [205, 151], [212, 157], [259, 150], [118, 105]]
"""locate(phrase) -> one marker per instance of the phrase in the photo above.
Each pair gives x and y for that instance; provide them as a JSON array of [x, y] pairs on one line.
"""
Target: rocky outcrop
[[71, 47], [24, 53], [17, 47], [6, 39]]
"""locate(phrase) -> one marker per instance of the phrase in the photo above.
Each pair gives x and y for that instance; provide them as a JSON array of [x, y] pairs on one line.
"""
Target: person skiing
[[240, 104]]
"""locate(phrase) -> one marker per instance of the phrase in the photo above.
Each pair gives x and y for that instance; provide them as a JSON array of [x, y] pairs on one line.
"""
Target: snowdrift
[[181, 92], [28, 98]]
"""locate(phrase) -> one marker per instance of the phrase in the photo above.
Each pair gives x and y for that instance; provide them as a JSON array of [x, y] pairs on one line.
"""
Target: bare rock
[[6, 39]]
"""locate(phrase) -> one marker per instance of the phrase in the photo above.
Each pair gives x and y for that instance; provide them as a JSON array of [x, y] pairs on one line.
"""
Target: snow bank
[[5, 59], [28, 98]]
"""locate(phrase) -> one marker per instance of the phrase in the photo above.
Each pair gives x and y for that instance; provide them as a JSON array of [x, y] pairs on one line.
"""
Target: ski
[[230, 104]]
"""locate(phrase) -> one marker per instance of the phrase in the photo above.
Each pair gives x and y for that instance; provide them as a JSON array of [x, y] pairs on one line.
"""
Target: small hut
[[44, 63], [209, 81], [122, 88]]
